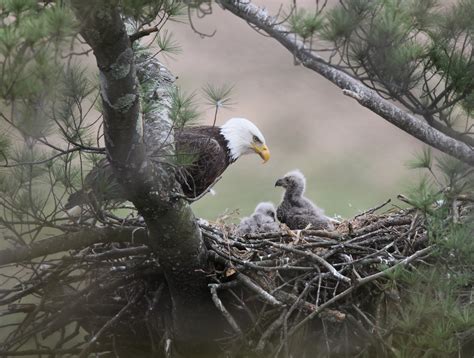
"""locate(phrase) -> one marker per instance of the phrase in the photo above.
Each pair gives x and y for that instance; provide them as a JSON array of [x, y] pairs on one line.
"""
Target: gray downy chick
[[296, 211], [262, 220]]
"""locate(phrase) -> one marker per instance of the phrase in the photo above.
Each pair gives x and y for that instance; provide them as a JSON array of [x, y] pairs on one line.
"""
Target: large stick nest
[[305, 291]]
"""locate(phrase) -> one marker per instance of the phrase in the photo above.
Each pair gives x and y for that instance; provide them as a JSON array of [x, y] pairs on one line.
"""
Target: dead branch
[[72, 241]]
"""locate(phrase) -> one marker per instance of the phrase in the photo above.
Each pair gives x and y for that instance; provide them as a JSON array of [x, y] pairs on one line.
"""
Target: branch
[[252, 286], [110, 323], [223, 310], [361, 282], [72, 241], [142, 33], [352, 87], [316, 258]]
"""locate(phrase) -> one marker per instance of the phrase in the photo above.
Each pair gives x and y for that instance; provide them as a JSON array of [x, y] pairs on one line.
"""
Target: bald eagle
[[209, 149], [212, 149]]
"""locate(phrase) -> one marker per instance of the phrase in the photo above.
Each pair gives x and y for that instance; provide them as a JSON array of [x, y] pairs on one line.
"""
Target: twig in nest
[[315, 257], [372, 210], [247, 282], [110, 323], [270, 330], [322, 233], [288, 298], [117, 253], [403, 198], [223, 310], [363, 281]]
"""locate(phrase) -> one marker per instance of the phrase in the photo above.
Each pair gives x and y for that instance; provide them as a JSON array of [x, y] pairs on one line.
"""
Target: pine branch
[[350, 86]]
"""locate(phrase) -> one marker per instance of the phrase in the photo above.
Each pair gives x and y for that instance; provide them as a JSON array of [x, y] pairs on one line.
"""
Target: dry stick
[[247, 282], [362, 259], [85, 351], [359, 283], [372, 210], [72, 241], [384, 224], [220, 257], [90, 292], [322, 233], [223, 310], [39, 352], [117, 253], [270, 330], [295, 304], [315, 257], [300, 299], [289, 298]]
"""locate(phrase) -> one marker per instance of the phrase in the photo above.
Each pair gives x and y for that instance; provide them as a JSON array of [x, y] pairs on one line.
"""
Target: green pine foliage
[[43, 99], [416, 52], [167, 44], [30, 37], [422, 160], [218, 96], [184, 110], [146, 11], [435, 315], [305, 23]]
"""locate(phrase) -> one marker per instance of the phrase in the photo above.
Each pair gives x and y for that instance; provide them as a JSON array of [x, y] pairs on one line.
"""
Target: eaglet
[[296, 211], [262, 220]]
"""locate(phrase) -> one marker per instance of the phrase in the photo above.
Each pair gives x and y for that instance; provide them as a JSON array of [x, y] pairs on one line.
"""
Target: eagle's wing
[[202, 158], [200, 153]]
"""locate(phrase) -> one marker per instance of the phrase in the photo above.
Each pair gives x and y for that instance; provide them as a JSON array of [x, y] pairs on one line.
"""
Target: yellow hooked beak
[[262, 151]]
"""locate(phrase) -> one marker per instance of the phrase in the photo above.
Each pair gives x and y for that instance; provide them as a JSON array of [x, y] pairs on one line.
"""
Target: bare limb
[[247, 282], [71, 241], [223, 310], [85, 351], [364, 95]]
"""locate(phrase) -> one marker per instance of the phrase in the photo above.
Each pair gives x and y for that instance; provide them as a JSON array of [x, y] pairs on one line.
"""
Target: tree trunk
[[173, 232]]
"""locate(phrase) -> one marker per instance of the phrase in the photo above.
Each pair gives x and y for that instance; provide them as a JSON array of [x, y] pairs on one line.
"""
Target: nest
[[305, 291]]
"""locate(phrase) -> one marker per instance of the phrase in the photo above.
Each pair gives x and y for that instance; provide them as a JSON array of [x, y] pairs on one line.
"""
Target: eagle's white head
[[244, 137]]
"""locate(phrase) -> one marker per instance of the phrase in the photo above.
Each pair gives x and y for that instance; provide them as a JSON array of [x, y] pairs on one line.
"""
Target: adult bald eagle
[[212, 149], [208, 150]]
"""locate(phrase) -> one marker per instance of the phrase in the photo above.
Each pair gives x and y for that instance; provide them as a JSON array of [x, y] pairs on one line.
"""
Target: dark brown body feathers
[[202, 156], [208, 156]]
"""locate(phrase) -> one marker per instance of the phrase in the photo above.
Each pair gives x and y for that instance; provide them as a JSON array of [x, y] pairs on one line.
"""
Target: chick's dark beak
[[280, 182]]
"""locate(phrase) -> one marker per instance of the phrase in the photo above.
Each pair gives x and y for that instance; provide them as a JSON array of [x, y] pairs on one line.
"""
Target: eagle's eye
[[256, 139]]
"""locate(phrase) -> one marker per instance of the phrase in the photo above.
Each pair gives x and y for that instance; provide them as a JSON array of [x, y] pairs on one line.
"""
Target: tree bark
[[352, 87], [150, 185]]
